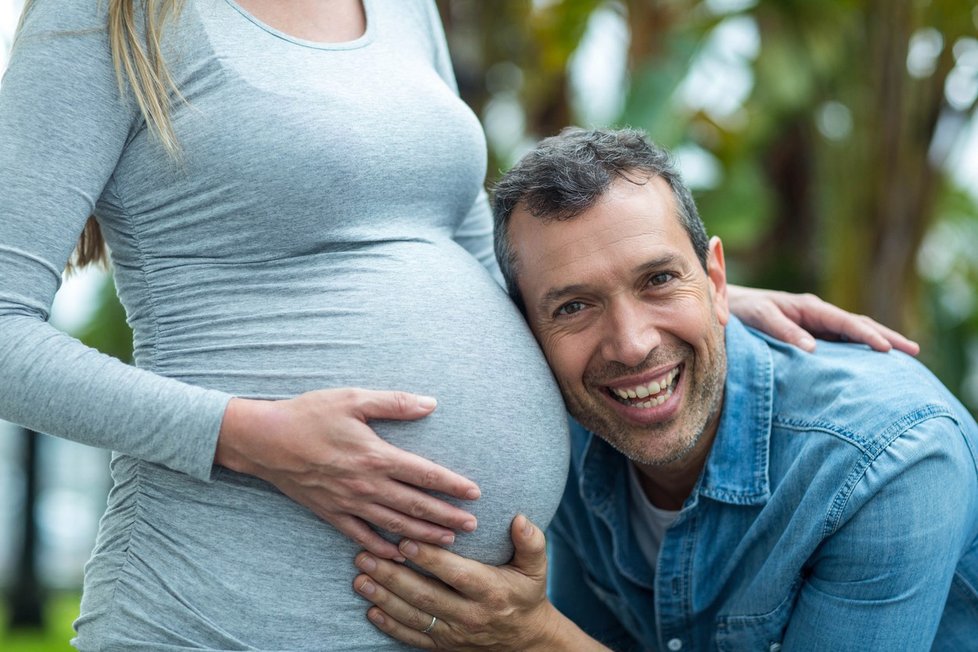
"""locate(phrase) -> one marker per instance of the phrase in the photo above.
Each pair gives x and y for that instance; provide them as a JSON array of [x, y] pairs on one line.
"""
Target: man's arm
[[881, 581], [475, 606]]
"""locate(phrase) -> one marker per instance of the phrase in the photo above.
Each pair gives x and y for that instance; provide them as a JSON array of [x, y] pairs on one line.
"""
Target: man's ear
[[716, 272]]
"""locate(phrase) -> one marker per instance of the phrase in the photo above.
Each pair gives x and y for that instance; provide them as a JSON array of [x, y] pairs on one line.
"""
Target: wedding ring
[[430, 625]]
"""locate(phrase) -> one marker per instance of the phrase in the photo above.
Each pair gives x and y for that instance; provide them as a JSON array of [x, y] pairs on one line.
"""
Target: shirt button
[[675, 644], [775, 647]]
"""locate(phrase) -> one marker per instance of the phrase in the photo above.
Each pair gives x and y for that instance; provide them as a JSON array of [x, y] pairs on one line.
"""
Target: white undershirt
[[649, 521]]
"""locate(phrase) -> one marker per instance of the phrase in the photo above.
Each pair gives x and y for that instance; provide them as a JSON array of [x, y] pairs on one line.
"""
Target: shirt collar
[[602, 474], [737, 468]]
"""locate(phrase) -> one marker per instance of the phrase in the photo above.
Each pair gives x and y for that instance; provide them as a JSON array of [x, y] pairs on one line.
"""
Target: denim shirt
[[837, 510]]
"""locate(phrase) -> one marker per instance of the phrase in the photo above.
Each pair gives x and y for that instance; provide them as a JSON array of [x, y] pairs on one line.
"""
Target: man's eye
[[569, 309], [661, 278]]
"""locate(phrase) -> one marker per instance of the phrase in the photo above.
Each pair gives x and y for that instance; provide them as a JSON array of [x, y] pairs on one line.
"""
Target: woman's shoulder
[[64, 15]]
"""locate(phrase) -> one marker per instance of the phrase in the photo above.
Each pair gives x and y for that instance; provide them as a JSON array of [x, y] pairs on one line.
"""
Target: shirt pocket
[[755, 632]]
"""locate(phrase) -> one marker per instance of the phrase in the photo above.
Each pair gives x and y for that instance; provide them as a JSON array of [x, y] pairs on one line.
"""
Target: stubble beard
[[649, 445]]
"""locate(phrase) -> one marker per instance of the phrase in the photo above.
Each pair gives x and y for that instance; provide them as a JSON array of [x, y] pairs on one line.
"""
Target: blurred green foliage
[[107, 330], [60, 611]]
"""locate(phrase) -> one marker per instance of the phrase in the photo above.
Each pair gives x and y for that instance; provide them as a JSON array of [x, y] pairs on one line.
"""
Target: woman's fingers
[[794, 318], [407, 467], [425, 474], [775, 323], [400, 524], [868, 330], [831, 322], [400, 506], [361, 534]]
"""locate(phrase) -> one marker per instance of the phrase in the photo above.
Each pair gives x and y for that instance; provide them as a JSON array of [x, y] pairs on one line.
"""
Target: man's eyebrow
[[665, 260], [554, 295]]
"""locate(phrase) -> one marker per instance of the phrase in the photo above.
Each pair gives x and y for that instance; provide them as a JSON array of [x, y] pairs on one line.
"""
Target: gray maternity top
[[324, 227]]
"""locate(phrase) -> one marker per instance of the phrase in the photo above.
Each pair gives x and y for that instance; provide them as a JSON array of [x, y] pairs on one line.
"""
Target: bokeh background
[[833, 145]]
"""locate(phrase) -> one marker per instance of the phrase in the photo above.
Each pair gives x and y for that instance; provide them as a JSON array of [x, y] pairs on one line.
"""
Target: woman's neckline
[[358, 42]]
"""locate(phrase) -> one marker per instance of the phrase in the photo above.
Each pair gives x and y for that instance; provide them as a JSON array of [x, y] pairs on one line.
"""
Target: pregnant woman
[[291, 192]]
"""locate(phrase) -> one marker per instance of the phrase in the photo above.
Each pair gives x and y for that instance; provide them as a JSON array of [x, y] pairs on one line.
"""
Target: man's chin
[[657, 443], [653, 455]]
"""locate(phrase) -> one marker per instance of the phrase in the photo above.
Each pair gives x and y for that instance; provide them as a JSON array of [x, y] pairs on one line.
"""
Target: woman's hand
[[468, 605], [795, 318], [318, 449]]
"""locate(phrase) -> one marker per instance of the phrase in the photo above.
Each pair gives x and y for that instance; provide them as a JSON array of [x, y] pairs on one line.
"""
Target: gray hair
[[565, 175]]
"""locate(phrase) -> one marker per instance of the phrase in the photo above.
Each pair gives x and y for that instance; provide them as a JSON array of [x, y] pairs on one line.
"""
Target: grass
[[60, 611]]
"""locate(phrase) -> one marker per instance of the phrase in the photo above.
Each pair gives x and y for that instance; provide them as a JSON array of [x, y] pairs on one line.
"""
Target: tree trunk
[[27, 596]]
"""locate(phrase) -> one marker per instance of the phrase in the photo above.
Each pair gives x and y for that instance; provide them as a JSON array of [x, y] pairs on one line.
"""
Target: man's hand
[[318, 449], [795, 318], [468, 605]]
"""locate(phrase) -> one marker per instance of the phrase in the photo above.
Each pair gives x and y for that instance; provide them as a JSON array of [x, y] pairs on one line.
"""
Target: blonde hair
[[140, 67]]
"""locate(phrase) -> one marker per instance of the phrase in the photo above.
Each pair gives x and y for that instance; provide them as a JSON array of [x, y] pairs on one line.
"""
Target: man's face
[[628, 319]]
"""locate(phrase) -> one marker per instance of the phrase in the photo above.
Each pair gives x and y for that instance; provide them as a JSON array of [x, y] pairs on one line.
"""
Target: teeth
[[651, 389]]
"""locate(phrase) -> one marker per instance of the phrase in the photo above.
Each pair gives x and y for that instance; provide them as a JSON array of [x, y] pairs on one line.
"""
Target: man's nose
[[630, 334]]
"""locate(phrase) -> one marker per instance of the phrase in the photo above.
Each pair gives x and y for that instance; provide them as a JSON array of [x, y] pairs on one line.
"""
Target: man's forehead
[[627, 214]]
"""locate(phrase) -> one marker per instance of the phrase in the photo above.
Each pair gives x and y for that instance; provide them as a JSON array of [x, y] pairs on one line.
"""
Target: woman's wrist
[[244, 420]]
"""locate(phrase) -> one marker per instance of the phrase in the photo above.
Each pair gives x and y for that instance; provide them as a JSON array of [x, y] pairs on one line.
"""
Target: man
[[727, 491]]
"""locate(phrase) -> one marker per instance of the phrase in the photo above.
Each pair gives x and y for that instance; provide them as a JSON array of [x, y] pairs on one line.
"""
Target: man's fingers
[[393, 607], [530, 556], [401, 632], [464, 575], [422, 593]]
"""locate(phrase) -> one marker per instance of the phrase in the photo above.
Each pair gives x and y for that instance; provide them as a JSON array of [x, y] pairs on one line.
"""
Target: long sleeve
[[881, 581], [63, 127]]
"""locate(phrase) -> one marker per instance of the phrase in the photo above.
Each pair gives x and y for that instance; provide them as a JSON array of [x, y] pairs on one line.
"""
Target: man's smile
[[647, 394], [647, 401]]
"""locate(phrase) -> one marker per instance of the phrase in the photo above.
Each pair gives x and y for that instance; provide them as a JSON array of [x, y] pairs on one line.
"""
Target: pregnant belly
[[233, 563], [413, 316]]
